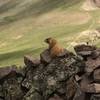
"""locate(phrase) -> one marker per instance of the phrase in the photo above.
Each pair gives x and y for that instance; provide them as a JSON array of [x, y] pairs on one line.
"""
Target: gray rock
[[12, 89], [96, 54], [55, 97], [83, 47], [45, 56], [95, 97], [32, 94], [1, 92], [79, 95], [92, 64], [96, 75], [6, 70], [30, 62], [84, 50]]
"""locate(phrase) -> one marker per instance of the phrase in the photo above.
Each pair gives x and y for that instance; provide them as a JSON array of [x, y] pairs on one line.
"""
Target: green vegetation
[[26, 23]]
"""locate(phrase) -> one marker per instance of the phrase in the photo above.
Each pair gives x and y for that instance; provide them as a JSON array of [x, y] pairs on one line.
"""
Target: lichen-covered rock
[[1, 92], [53, 76], [84, 50], [79, 95], [64, 77], [95, 97], [32, 94], [12, 88], [45, 56], [55, 97], [92, 64], [6, 70], [31, 77], [96, 75], [30, 62]]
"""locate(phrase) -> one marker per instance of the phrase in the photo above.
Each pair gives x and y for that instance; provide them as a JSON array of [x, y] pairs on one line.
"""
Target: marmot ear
[[50, 40]]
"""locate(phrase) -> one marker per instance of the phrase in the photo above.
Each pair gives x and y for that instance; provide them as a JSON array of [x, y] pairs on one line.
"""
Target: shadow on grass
[[8, 5], [39, 8], [44, 6], [18, 54]]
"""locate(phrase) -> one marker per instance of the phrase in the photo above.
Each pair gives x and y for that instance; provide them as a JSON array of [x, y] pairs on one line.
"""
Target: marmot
[[54, 47]]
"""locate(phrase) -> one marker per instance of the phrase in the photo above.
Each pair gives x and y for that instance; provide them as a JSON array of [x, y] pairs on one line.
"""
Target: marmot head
[[50, 41]]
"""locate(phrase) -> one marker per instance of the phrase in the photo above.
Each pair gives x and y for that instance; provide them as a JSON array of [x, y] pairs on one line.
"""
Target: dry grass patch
[[88, 5], [61, 18], [17, 37], [2, 44]]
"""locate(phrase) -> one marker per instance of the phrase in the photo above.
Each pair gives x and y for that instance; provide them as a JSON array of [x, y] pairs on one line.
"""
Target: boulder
[[4, 71], [79, 95], [95, 97], [96, 75], [92, 64], [92, 88], [12, 88], [29, 61], [84, 50], [45, 56], [55, 97]]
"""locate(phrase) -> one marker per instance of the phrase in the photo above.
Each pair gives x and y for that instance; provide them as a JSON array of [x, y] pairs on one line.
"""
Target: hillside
[[24, 24]]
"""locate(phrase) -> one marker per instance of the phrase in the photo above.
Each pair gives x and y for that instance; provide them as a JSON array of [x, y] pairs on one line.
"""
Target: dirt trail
[[88, 5]]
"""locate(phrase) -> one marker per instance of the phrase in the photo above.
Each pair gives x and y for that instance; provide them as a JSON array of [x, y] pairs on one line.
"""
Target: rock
[[79, 95], [64, 77], [29, 61], [31, 78], [45, 56], [71, 88], [85, 53], [84, 50], [1, 99], [1, 92], [55, 97], [32, 94], [95, 97], [96, 75], [85, 82], [53, 76], [12, 89], [77, 78], [92, 64], [51, 81], [92, 88], [6, 70], [95, 54], [83, 47]]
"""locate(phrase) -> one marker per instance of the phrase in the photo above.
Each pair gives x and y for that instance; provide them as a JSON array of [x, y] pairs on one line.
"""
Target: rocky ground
[[66, 77]]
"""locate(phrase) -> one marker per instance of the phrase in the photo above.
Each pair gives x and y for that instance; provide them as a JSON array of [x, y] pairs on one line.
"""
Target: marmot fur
[[54, 47]]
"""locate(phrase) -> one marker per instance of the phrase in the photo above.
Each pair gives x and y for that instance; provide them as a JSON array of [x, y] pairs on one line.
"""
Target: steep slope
[[24, 24], [13, 10]]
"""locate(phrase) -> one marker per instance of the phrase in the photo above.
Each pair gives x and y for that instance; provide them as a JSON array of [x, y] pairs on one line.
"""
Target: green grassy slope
[[24, 24]]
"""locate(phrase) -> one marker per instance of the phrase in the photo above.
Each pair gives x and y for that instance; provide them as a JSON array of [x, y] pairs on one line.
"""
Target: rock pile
[[65, 77]]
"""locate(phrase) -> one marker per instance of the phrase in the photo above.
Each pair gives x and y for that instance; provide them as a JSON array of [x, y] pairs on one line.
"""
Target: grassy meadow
[[24, 24]]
